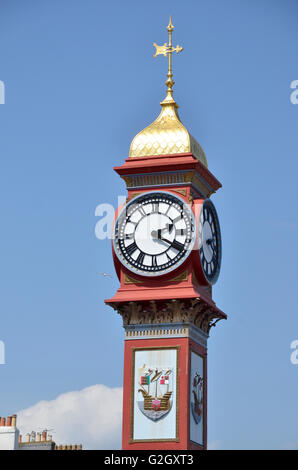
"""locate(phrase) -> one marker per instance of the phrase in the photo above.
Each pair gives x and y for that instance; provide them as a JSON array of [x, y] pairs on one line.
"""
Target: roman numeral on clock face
[[142, 211], [129, 236], [131, 248], [179, 217], [140, 258], [155, 207]]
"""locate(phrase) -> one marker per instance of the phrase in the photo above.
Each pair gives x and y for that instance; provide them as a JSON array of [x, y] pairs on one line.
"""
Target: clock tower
[[167, 255]]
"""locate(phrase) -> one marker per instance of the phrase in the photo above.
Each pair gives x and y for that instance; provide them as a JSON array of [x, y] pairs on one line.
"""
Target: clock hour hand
[[209, 242], [157, 233], [170, 227]]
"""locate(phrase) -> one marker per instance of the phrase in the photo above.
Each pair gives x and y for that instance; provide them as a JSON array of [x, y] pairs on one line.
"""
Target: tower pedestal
[[165, 373]]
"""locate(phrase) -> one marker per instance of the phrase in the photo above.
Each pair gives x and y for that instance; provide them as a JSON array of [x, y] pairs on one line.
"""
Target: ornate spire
[[167, 50], [166, 135]]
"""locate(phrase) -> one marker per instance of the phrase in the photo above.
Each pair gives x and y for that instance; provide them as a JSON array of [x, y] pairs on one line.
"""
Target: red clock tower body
[[167, 315]]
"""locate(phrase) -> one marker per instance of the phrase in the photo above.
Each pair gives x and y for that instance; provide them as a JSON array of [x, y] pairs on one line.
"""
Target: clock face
[[154, 233], [209, 242]]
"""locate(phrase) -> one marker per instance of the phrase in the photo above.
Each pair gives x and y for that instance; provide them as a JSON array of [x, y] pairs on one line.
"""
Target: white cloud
[[215, 445], [91, 417]]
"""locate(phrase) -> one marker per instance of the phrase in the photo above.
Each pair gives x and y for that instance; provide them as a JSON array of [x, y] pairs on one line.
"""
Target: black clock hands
[[174, 244], [211, 242], [165, 240], [157, 233]]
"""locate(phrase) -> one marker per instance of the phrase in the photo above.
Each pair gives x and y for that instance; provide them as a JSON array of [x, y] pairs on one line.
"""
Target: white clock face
[[154, 233], [209, 241]]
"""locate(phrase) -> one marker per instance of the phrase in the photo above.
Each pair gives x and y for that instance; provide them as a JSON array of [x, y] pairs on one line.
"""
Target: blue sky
[[80, 82]]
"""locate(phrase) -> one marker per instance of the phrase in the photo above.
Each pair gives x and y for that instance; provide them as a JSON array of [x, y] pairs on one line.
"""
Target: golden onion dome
[[166, 135]]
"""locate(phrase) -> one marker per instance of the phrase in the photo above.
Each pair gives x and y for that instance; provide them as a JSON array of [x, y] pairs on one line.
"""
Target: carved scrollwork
[[174, 311]]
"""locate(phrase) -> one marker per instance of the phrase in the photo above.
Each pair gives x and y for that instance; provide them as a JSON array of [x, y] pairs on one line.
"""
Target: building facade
[[11, 439]]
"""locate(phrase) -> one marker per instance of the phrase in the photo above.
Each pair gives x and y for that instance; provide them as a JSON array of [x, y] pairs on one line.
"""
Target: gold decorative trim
[[172, 178], [133, 195], [180, 191], [153, 179], [194, 278], [181, 277], [188, 176], [131, 280], [127, 180]]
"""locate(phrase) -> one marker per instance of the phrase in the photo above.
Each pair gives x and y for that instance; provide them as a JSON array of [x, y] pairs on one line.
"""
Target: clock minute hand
[[174, 244], [165, 240], [213, 245]]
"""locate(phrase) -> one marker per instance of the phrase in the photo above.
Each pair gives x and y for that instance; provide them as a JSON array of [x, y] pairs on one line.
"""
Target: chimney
[[14, 420], [28, 437], [9, 434], [20, 438], [44, 435], [38, 438]]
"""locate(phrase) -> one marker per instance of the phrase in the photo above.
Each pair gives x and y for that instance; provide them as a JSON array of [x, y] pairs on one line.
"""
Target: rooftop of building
[[34, 440]]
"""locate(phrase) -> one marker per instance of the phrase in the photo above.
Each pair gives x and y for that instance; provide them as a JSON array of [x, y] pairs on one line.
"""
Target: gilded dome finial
[[167, 50], [166, 135]]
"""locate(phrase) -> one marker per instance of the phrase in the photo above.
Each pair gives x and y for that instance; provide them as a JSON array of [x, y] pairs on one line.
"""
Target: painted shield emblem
[[156, 404], [155, 391], [197, 398]]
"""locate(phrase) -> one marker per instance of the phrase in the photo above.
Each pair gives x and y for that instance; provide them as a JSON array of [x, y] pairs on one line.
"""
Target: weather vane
[[168, 49]]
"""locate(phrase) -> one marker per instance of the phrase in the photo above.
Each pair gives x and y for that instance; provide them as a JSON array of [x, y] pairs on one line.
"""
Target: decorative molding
[[170, 178], [194, 278], [166, 330], [193, 311], [130, 280], [153, 179], [181, 277], [180, 191], [132, 196], [127, 180]]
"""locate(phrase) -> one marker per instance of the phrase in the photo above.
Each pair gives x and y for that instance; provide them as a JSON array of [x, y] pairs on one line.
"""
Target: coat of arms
[[197, 398], [155, 391]]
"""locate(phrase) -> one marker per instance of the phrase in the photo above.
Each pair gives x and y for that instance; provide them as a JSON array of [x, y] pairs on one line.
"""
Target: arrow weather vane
[[168, 49]]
